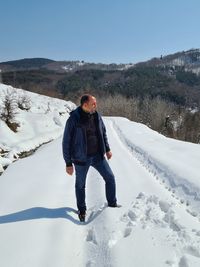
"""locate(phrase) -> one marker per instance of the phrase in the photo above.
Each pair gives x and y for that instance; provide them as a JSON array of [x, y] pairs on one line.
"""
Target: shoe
[[81, 215], [115, 205]]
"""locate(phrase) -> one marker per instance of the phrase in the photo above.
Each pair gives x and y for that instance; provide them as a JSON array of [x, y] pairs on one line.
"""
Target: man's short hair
[[84, 99]]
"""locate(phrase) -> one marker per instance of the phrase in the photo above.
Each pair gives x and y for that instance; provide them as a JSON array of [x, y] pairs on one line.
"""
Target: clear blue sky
[[97, 30]]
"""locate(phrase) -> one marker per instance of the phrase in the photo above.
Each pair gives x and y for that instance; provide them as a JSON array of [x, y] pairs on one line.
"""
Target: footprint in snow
[[170, 263], [91, 237], [193, 213], [127, 231], [183, 262], [89, 264], [132, 215], [192, 251], [164, 206]]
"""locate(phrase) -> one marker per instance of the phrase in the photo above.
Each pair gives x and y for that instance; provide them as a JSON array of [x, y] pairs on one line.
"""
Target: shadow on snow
[[46, 213], [39, 213]]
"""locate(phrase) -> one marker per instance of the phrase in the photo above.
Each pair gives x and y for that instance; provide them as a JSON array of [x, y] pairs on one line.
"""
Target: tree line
[[165, 117]]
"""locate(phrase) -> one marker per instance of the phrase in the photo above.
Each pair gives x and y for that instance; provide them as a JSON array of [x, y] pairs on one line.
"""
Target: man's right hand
[[70, 170]]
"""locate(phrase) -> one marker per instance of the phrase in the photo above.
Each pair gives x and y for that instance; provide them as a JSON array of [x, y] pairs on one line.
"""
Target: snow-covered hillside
[[43, 122], [158, 186]]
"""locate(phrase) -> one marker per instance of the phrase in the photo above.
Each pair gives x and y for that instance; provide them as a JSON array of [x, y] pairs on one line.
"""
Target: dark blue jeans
[[102, 166]]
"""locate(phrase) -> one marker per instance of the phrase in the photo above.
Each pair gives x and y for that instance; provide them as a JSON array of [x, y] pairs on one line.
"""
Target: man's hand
[[109, 155], [70, 170]]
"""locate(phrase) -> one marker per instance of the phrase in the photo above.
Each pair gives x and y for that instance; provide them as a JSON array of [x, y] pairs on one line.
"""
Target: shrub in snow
[[9, 110], [24, 102]]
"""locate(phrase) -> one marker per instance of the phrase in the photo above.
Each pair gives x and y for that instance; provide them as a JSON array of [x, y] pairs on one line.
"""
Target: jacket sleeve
[[67, 141], [105, 138]]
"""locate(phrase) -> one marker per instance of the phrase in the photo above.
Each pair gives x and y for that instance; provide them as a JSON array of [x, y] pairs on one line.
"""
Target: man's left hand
[[109, 155]]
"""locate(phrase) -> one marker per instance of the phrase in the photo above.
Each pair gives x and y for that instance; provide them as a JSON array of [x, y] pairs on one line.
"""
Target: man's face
[[91, 105]]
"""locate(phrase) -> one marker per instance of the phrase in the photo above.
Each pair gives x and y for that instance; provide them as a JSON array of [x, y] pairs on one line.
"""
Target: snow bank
[[173, 162], [43, 122]]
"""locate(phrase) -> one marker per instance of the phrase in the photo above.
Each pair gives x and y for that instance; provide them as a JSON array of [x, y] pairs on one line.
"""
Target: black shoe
[[115, 205], [81, 215]]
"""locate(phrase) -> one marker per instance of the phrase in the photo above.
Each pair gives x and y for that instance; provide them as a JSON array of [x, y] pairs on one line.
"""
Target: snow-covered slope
[[44, 121], [157, 225]]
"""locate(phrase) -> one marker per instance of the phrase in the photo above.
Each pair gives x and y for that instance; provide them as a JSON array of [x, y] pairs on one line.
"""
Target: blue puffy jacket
[[74, 139]]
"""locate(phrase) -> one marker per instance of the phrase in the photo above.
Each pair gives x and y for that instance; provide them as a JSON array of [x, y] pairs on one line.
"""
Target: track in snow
[[140, 210], [171, 181]]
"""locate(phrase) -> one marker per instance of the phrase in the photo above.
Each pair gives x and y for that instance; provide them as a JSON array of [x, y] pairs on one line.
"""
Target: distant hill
[[58, 66], [174, 78], [187, 60], [24, 64]]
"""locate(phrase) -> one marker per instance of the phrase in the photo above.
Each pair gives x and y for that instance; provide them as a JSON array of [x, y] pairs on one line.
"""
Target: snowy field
[[158, 225]]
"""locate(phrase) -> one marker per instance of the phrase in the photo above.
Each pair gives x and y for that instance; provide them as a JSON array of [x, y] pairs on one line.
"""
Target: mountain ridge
[[189, 58], [58, 66], [174, 77]]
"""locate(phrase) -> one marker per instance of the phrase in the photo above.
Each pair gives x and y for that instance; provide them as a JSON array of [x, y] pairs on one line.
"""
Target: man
[[85, 144]]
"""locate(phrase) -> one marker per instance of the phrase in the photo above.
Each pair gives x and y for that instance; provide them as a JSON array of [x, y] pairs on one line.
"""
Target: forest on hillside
[[166, 98]]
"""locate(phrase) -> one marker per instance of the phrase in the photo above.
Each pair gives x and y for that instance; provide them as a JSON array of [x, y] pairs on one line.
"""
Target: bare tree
[[9, 110], [159, 110], [115, 105], [163, 116]]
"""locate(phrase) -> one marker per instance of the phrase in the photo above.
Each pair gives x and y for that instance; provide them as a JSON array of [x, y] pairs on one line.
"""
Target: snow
[[193, 110], [178, 62], [127, 66], [67, 68], [158, 187], [194, 69], [42, 123], [75, 65]]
